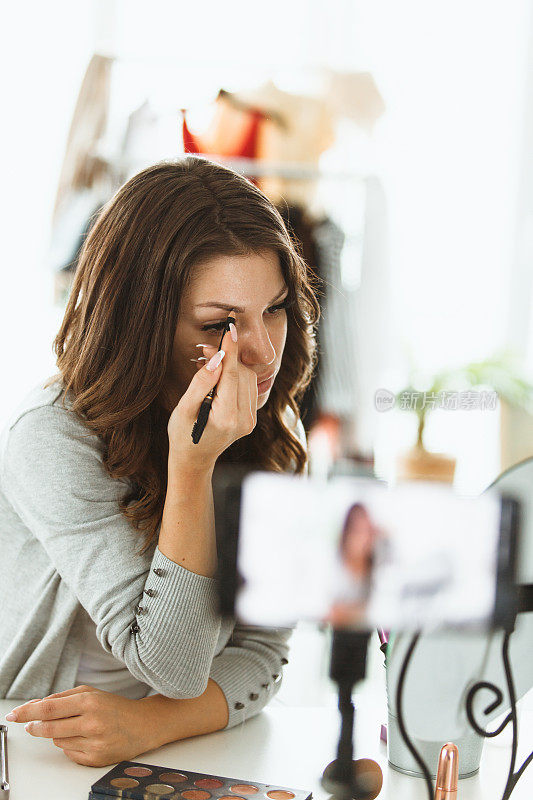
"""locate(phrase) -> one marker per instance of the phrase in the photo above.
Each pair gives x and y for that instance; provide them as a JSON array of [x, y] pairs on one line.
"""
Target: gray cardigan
[[66, 547]]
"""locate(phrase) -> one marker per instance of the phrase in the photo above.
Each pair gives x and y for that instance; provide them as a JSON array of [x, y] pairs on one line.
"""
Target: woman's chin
[[262, 399]]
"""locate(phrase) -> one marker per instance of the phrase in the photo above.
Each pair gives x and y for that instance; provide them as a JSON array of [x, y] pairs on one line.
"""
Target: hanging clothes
[[378, 348], [333, 388], [297, 130], [300, 228], [337, 388], [246, 148], [82, 166], [235, 131]]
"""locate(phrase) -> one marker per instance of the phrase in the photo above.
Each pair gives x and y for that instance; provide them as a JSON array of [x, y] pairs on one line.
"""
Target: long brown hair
[[115, 342]]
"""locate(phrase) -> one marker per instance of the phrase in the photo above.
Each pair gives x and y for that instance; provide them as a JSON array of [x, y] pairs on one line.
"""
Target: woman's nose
[[255, 347]]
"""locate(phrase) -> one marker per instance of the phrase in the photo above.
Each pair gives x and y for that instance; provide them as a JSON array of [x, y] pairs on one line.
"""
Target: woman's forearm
[[166, 720], [187, 534]]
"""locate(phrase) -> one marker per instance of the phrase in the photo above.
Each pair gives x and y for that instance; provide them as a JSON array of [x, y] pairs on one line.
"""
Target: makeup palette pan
[[146, 782]]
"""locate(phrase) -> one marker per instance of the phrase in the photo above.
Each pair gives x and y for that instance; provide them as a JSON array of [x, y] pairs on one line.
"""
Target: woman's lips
[[264, 386]]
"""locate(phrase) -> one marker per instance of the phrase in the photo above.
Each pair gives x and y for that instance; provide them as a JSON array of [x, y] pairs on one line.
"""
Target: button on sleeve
[[245, 667]]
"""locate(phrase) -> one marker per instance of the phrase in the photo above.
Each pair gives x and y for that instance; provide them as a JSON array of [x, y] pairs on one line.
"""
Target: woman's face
[[253, 287], [359, 543]]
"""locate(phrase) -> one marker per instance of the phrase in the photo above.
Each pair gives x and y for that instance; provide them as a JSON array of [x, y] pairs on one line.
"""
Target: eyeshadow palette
[[146, 782]]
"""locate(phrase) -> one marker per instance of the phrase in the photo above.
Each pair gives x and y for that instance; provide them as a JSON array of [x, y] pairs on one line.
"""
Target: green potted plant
[[497, 375]]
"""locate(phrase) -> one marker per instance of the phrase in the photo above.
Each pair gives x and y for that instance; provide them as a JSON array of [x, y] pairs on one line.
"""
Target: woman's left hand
[[93, 728]]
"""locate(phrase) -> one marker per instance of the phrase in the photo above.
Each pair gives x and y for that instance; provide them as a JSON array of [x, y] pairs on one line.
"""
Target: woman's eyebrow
[[239, 309]]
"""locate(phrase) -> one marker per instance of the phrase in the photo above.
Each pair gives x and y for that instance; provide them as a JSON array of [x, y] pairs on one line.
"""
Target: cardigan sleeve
[[249, 670], [55, 480]]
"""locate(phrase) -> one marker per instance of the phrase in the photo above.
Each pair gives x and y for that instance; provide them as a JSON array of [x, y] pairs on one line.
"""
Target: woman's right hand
[[233, 411]]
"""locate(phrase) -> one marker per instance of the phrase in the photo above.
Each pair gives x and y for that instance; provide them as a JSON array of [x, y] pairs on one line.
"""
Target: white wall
[[454, 79], [43, 54]]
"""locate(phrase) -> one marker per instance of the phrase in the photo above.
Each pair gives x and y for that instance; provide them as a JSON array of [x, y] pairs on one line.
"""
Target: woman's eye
[[281, 306], [215, 326], [218, 326]]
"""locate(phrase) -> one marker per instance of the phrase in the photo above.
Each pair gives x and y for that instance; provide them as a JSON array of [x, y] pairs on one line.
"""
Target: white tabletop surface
[[283, 745]]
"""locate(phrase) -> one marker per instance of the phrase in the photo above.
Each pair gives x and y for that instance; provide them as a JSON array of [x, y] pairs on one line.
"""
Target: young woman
[[352, 581], [109, 618]]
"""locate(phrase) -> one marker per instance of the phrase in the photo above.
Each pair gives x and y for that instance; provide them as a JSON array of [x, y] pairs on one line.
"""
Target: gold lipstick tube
[[447, 773]]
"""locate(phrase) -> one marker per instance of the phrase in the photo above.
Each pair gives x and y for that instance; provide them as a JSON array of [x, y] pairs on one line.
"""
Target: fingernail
[[11, 717], [27, 727], [202, 358], [204, 345], [233, 331], [215, 361]]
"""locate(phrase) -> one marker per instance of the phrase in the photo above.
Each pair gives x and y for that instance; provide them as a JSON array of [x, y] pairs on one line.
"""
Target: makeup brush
[[205, 408]]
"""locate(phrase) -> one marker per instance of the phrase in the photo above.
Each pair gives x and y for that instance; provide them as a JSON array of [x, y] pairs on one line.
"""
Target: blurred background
[[396, 140]]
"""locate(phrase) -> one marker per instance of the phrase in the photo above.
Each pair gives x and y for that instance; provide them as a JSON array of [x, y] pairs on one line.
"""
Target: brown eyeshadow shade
[[124, 783], [244, 788], [195, 794], [159, 789], [280, 794], [230, 797], [209, 783], [172, 777], [139, 772]]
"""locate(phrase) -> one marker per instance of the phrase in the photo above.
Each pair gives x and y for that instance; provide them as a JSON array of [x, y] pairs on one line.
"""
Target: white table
[[283, 745]]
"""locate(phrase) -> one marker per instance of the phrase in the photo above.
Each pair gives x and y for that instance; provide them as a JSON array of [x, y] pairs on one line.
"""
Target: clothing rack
[[254, 168]]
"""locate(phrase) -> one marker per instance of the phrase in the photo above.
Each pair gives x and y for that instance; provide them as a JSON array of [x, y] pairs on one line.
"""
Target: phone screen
[[359, 554]]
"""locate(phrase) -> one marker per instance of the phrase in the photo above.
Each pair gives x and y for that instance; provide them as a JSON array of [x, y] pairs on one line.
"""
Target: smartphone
[[358, 554]]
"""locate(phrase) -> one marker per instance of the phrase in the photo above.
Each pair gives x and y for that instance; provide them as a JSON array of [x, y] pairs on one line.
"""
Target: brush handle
[[4, 776], [203, 415]]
